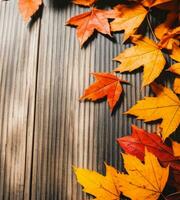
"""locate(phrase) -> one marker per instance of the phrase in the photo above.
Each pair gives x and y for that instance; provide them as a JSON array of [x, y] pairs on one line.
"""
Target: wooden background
[[44, 129]]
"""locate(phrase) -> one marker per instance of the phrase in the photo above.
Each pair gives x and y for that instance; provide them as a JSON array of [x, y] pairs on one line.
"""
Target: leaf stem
[[150, 27]]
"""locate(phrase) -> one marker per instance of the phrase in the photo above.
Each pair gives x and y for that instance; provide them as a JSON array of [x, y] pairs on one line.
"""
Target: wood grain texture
[[44, 128], [18, 69]]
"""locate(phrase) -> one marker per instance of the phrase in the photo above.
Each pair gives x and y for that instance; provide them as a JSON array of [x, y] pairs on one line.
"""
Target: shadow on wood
[[59, 4]]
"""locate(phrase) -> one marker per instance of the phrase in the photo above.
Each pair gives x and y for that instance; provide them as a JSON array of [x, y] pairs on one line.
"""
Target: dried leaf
[[28, 8], [106, 85], [146, 53], [165, 106], [101, 187], [143, 181], [130, 19], [88, 22], [141, 139]]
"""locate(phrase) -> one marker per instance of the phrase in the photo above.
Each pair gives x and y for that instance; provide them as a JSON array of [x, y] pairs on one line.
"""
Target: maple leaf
[[106, 85], [28, 8], [129, 20], [146, 53], [165, 106], [143, 181], [88, 22], [102, 187], [141, 139], [84, 2]]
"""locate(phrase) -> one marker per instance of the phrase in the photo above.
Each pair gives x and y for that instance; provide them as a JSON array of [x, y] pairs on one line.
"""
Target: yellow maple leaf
[[101, 187], [130, 19], [143, 181], [146, 53], [165, 106]]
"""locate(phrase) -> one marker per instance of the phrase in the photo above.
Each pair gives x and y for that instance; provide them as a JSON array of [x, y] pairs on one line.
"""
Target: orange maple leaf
[[106, 85], [28, 8], [146, 53], [84, 2], [129, 20], [88, 22], [165, 106]]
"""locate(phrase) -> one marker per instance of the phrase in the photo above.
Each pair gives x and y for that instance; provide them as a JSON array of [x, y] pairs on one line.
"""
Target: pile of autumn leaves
[[150, 164]]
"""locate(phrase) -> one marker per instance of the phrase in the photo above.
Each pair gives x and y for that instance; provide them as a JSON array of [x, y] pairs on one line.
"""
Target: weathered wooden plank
[[68, 132], [18, 65]]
